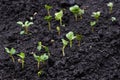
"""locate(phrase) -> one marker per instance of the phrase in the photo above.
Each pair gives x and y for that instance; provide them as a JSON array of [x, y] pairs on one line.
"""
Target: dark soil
[[98, 57]]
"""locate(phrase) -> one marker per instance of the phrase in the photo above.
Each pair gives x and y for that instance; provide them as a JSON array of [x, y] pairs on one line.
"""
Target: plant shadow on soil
[[98, 57]]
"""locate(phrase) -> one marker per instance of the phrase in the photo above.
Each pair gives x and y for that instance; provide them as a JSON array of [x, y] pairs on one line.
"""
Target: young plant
[[76, 11], [47, 7], [110, 5], [11, 52], [40, 59], [58, 16], [58, 30], [92, 24], [39, 47], [39, 73], [22, 60], [25, 25], [79, 38], [65, 43], [48, 19], [71, 37], [96, 15]]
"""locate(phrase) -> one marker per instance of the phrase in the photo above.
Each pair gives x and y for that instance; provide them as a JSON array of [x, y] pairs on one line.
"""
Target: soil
[[97, 58]]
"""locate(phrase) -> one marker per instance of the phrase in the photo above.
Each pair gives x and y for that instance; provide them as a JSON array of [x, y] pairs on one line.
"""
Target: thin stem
[[48, 12], [26, 30], [61, 21], [12, 58], [49, 27], [92, 29], [70, 43], [58, 32], [63, 52], [76, 17], [23, 63]]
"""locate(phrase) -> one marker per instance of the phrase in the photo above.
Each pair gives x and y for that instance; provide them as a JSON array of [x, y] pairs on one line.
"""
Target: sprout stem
[[63, 50], [76, 17], [61, 22], [12, 58], [22, 63], [49, 27], [26, 30], [38, 65], [70, 43]]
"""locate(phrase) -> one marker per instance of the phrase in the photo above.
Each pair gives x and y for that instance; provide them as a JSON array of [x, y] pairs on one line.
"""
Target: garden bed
[[97, 58]]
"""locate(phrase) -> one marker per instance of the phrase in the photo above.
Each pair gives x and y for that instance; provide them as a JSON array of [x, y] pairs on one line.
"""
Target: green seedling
[[58, 16], [96, 15], [11, 52], [58, 30], [79, 38], [113, 19], [65, 43], [92, 24], [110, 5], [71, 37], [25, 25], [48, 19], [40, 46], [39, 73], [47, 7], [22, 60], [76, 11], [40, 59]]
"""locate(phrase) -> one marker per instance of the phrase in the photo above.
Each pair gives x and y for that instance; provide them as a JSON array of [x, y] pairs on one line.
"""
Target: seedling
[[79, 38], [39, 73], [71, 37], [92, 24], [40, 46], [96, 15], [58, 30], [47, 7], [113, 19], [11, 52], [25, 26], [76, 11], [48, 19], [22, 60], [65, 43], [58, 16], [40, 59], [110, 5]]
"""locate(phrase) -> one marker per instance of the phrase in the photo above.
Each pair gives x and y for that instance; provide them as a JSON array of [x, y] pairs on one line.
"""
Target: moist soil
[[97, 58]]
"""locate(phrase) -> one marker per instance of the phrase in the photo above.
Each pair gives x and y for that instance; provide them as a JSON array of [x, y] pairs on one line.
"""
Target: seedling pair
[[76, 11], [25, 25]]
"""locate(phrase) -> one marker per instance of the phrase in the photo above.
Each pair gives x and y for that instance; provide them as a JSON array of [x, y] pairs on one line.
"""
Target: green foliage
[[79, 38], [25, 26], [96, 15], [76, 11], [47, 7], [39, 73], [48, 19], [22, 56], [58, 16], [110, 5], [71, 37], [39, 47], [113, 19], [65, 43], [11, 52], [92, 24], [41, 58]]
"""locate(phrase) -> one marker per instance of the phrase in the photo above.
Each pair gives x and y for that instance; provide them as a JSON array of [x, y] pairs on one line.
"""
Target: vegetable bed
[[96, 58]]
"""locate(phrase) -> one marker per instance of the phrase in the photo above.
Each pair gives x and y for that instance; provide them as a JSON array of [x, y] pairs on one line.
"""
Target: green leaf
[[48, 7], [22, 32], [20, 23], [44, 57], [65, 42], [7, 50], [75, 9], [39, 47], [78, 37], [110, 4], [70, 35], [93, 23], [21, 55], [37, 58], [59, 15], [12, 51], [30, 23], [48, 18]]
